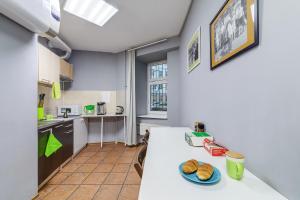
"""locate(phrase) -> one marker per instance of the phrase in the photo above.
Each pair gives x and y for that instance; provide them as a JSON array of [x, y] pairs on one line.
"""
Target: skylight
[[94, 11]]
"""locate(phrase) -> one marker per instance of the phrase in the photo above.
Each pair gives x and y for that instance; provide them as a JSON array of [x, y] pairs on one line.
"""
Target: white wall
[[18, 120], [251, 104]]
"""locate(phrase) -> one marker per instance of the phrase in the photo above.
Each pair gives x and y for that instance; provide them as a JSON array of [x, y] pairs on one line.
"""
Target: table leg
[[115, 129], [124, 130], [88, 125], [101, 139]]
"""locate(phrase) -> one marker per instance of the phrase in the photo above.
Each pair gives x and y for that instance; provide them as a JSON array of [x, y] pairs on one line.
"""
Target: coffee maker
[[101, 108]]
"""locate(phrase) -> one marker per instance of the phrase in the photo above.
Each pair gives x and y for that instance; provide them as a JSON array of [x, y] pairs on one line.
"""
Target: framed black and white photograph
[[193, 50], [233, 31]]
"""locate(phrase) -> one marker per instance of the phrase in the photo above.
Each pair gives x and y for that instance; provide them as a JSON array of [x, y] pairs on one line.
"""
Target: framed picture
[[193, 51], [233, 31]]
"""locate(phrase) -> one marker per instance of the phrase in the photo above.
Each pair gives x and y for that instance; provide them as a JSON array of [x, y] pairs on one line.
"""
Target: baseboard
[[35, 197], [54, 173], [48, 178], [111, 142], [76, 153]]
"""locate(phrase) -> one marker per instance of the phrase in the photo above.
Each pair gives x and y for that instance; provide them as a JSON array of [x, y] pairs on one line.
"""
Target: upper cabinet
[[49, 66], [52, 67], [66, 70]]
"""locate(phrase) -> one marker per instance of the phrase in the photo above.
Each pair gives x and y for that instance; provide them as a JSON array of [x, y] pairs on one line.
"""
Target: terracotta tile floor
[[96, 174]]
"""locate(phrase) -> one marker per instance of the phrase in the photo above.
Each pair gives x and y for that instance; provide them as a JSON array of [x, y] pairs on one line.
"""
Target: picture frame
[[233, 31], [194, 51]]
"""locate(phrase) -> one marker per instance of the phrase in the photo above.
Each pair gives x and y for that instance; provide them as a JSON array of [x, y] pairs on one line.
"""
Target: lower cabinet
[[67, 141], [47, 165], [80, 134]]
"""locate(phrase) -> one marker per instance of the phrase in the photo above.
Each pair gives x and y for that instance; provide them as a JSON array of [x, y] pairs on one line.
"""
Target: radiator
[[146, 126]]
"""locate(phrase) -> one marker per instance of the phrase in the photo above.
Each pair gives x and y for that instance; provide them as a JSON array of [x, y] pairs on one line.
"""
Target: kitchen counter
[[101, 116], [47, 123]]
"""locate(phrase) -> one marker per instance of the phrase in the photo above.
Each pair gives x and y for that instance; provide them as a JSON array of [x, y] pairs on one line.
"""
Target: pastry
[[190, 166], [205, 171]]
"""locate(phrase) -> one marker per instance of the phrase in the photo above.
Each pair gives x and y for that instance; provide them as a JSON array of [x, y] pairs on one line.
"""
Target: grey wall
[[173, 86], [158, 51], [18, 120], [100, 71], [121, 72], [141, 87], [250, 104], [173, 93], [169, 45], [94, 70]]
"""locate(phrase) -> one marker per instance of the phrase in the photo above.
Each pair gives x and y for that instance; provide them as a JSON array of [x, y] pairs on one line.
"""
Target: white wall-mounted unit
[[39, 16]]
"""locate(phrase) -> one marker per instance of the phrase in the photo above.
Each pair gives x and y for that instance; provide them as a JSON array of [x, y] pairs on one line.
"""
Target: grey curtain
[[131, 134]]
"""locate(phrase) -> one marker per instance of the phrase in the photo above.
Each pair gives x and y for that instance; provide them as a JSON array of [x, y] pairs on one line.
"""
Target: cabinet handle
[[69, 125], [50, 129], [59, 126], [67, 132]]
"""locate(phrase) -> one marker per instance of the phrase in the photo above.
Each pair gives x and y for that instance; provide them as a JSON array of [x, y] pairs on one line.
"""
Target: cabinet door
[[43, 166], [66, 69], [47, 165], [57, 160], [68, 137], [44, 59], [63, 68], [71, 72], [54, 68], [48, 65], [80, 134]]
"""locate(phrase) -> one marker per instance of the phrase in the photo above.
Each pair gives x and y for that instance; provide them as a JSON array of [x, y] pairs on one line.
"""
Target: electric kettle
[[101, 108], [119, 110]]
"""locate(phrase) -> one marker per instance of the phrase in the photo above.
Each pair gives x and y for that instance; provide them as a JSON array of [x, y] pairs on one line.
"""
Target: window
[[157, 88]]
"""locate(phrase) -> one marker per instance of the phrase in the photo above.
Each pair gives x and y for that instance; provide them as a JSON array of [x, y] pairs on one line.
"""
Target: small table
[[162, 180], [102, 121]]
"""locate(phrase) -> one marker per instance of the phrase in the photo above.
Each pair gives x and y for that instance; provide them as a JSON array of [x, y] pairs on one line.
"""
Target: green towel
[[56, 93], [200, 134], [52, 146]]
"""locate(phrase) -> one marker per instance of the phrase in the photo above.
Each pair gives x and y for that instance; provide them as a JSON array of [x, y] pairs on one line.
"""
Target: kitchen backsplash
[[82, 97]]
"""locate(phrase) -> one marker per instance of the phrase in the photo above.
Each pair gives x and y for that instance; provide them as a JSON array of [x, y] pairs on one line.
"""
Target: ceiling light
[[95, 11]]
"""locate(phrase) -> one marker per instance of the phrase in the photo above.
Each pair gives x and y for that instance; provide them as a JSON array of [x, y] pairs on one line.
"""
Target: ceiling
[[137, 22]]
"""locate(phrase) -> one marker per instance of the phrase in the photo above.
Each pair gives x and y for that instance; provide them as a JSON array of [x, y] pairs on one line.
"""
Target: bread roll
[[190, 166], [205, 171]]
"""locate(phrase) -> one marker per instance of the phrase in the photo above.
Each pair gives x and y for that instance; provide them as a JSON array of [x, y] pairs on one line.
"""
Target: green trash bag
[[52, 145]]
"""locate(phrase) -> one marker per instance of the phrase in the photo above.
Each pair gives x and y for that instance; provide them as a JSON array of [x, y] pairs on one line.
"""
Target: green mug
[[235, 165]]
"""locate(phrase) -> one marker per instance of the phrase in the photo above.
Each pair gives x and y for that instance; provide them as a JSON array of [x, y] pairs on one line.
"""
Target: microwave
[[73, 110]]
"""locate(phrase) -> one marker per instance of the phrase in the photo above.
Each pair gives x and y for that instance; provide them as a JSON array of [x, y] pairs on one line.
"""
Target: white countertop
[[100, 116], [161, 179]]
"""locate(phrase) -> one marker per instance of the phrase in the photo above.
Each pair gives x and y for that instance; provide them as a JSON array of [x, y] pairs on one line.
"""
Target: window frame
[[155, 82]]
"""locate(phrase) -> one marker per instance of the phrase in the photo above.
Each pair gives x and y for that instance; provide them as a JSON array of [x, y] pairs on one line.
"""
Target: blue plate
[[215, 178]]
